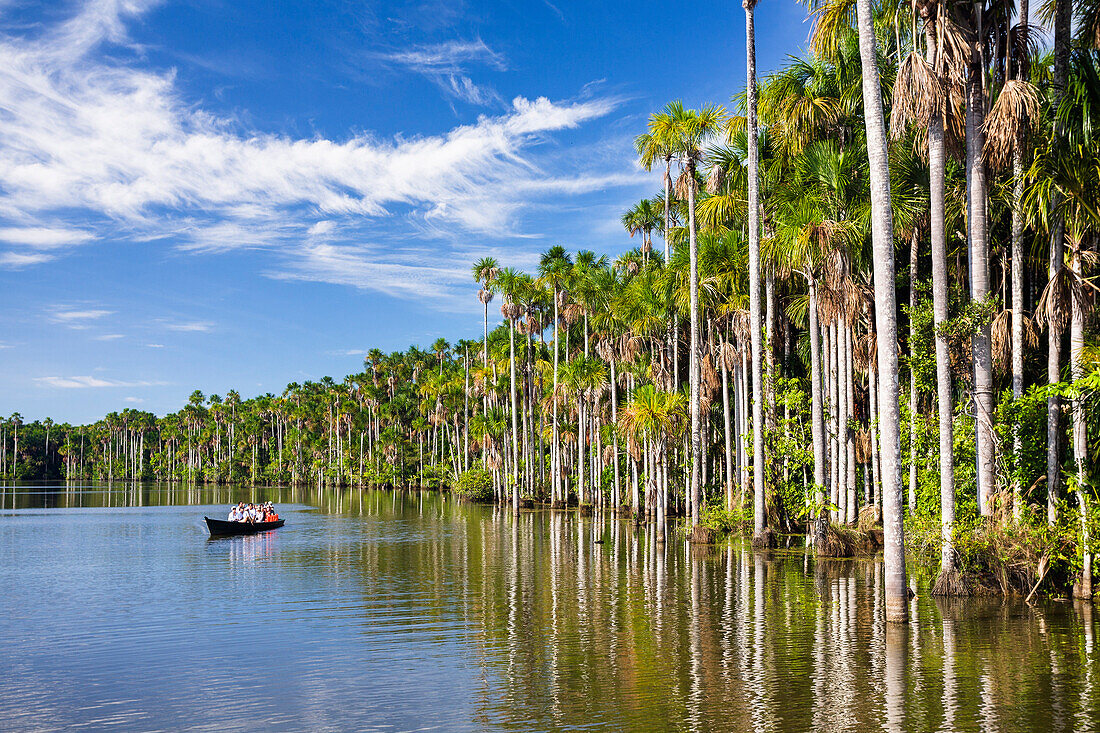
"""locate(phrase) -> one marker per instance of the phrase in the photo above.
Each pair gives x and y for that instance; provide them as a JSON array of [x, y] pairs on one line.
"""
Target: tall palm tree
[[659, 143], [554, 268], [758, 458], [511, 283], [882, 235], [686, 132], [1063, 19], [919, 99]]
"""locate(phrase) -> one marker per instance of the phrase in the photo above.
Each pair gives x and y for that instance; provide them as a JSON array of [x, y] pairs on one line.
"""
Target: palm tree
[[882, 234], [655, 417], [656, 144], [685, 132], [511, 283], [920, 100], [643, 217], [758, 458], [1063, 13], [1019, 67], [485, 272], [554, 270]]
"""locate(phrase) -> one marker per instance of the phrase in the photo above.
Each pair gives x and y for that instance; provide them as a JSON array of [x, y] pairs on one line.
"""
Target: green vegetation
[[475, 485]]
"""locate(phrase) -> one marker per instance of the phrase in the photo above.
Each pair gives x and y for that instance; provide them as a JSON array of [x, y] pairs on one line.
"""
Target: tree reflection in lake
[[552, 620]]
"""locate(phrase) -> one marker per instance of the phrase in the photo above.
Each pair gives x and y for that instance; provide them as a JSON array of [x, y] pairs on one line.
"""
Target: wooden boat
[[222, 527]]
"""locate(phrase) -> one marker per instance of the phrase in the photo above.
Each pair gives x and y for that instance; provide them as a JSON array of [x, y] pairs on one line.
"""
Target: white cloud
[[109, 337], [84, 382], [135, 400], [70, 315], [420, 277], [44, 237], [450, 57], [16, 260], [321, 228], [447, 65], [87, 136], [155, 346], [189, 326]]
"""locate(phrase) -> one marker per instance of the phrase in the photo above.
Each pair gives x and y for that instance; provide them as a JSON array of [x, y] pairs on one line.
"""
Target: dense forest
[[862, 297]]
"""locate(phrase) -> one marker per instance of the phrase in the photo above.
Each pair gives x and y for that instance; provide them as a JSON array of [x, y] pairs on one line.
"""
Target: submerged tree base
[[844, 541], [702, 535], [953, 584], [766, 540]]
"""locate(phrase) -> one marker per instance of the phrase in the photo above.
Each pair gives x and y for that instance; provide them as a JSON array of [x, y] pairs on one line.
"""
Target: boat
[[222, 527]]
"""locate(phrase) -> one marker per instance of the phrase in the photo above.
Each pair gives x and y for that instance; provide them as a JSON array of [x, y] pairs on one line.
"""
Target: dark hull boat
[[222, 527]]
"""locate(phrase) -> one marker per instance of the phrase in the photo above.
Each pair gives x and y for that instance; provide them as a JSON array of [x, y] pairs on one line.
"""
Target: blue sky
[[236, 194]]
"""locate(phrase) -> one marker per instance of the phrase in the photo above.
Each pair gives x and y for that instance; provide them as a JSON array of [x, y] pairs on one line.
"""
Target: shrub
[[475, 485]]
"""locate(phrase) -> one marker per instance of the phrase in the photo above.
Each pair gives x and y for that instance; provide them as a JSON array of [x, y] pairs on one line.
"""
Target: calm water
[[406, 611]]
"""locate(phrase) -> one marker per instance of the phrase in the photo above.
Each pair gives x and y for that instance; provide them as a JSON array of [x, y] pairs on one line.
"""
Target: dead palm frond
[[728, 355], [686, 185], [715, 179], [865, 353], [1053, 310], [918, 94], [1017, 106], [1001, 336]]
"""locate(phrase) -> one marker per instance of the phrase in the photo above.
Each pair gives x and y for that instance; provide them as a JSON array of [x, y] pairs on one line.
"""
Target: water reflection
[[408, 610]]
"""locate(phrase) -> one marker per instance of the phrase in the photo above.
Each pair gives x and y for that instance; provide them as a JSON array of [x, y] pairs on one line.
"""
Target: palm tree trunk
[[913, 264], [728, 432], [769, 347], [842, 421], [616, 497], [581, 489], [849, 401], [876, 478], [817, 416], [882, 235], [696, 424], [515, 416], [978, 235], [1018, 284], [758, 458], [834, 434], [1062, 31], [944, 390], [1080, 431]]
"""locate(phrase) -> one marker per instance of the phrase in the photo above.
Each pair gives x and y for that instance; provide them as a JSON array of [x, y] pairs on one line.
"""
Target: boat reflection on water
[[246, 549]]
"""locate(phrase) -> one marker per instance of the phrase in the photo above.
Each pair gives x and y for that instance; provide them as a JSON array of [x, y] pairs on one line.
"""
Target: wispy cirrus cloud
[[69, 314], [19, 260], [94, 146], [448, 64], [44, 237], [187, 326], [86, 382]]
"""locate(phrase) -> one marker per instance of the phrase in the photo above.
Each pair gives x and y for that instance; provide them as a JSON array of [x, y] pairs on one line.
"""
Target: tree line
[[870, 303]]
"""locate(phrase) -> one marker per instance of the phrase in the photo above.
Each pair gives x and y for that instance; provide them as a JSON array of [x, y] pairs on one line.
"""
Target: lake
[[406, 610]]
